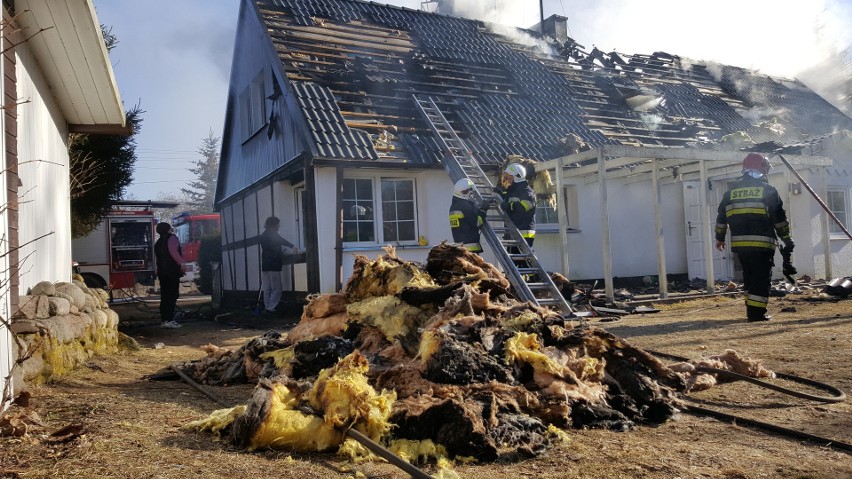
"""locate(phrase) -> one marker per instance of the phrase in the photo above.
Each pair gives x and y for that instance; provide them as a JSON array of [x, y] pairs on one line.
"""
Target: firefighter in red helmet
[[755, 214]]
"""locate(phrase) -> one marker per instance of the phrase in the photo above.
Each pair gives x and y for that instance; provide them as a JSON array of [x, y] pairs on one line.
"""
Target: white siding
[[45, 212], [6, 360]]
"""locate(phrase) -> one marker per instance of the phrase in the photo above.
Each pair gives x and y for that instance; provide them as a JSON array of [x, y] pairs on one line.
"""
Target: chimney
[[556, 26]]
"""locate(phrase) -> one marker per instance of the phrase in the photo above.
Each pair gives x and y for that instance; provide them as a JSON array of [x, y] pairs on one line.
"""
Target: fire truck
[[190, 229], [119, 253]]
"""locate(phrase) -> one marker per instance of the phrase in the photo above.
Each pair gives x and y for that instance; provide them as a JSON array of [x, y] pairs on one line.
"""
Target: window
[[358, 224], [396, 210], [547, 219], [252, 102], [837, 203], [544, 214]]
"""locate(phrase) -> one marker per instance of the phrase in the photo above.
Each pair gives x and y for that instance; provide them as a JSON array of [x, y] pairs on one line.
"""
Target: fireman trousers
[[757, 274]]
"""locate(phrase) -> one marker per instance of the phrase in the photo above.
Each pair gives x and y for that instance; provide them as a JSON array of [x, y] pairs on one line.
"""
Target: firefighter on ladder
[[755, 213], [519, 203], [465, 216]]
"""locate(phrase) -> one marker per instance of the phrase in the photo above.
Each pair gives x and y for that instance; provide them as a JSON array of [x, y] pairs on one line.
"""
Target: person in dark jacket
[[519, 201], [272, 249], [170, 268], [466, 217], [755, 214]]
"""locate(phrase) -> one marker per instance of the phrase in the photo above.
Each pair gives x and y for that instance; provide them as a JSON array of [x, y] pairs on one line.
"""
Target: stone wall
[[59, 326]]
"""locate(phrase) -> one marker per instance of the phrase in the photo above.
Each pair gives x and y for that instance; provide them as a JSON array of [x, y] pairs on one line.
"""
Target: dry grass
[[133, 426]]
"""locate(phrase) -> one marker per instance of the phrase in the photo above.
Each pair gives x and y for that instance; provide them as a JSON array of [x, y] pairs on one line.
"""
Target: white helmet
[[463, 188], [516, 171]]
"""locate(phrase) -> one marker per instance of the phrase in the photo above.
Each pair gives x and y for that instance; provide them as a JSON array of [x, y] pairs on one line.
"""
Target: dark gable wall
[[244, 162]]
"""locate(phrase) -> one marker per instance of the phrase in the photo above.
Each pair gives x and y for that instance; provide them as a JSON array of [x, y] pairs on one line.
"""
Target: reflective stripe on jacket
[[755, 214], [519, 203], [465, 220]]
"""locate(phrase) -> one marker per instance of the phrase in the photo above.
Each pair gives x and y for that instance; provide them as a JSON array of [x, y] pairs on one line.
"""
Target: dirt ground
[[124, 426]]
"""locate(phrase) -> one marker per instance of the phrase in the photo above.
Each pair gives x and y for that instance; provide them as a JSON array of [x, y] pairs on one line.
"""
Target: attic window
[[253, 106]]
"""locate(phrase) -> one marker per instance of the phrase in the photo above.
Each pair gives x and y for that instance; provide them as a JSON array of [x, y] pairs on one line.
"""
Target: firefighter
[[755, 214], [519, 201], [465, 216]]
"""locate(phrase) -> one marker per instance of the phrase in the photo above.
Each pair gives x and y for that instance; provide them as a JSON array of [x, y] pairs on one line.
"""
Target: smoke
[[502, 17], [776, 37]]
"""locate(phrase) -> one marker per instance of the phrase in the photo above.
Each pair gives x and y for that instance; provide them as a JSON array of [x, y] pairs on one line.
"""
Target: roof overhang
[[66, 39]]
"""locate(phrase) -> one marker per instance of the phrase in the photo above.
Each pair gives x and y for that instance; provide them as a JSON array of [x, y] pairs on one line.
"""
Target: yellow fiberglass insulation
[[217, 421], [283, 359], [283, 427], [394, 317], [386, 275], [558, 373], [346, 399]]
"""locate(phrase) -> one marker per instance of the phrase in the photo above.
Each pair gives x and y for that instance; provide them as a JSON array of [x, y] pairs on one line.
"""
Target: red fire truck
[[119, 253], [190, 229]]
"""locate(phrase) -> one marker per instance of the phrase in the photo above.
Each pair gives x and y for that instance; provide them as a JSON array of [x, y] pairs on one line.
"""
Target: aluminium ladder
[[531, 282]]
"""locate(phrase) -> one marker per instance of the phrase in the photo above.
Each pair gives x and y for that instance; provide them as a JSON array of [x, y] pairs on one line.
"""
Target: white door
[[697, 236]]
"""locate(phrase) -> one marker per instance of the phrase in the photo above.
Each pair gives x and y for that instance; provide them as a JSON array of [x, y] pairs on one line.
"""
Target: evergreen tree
[[202, 190], [101, 167]]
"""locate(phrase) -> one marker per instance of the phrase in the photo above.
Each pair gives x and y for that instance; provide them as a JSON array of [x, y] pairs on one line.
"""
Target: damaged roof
[[355, 66]]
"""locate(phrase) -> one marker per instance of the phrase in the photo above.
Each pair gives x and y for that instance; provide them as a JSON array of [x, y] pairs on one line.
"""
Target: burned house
[[322, 130]]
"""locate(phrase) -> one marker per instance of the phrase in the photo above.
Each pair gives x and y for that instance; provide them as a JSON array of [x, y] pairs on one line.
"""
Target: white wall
[[632, 231], [243, 220], [44, 195], [434, 192], [6, 359]]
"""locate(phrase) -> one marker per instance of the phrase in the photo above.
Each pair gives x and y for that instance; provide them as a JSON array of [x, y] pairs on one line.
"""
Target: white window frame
[[379, 213], [570, 208], [834, 232]]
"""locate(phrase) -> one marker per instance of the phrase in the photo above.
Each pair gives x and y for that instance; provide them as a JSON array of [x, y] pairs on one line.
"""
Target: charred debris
[[439, 358]]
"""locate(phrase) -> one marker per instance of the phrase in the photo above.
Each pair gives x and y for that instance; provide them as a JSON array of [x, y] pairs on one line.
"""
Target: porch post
[[826, 232], [705, 224], [562, 216], [658, 220], [610, 292], [312, 246], [338, 240]]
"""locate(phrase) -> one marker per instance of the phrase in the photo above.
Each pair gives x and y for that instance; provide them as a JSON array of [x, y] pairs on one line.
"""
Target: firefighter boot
[[754, 313]]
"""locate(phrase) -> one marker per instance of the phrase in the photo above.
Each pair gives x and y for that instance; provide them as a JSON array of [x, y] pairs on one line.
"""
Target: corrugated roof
[[355, 66]]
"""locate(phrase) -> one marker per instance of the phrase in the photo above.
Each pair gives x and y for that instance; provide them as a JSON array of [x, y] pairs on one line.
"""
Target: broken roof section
[[356, 66]]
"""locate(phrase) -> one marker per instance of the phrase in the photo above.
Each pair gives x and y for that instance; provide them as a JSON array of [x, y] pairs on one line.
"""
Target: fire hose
[[837, 396], [365, 441], [814, 194]]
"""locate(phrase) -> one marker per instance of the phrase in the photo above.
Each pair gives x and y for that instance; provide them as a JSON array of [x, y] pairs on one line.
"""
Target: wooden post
[[338, 240], [705, 225], [826, 233], [312, 246], [661, 244], [607, 257], [562, 216]]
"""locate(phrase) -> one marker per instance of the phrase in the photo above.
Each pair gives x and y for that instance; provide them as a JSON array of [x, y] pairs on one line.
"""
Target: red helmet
[[756, 162]]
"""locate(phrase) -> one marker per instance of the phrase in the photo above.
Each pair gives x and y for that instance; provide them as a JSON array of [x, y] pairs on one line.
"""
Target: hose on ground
[[837, 396]]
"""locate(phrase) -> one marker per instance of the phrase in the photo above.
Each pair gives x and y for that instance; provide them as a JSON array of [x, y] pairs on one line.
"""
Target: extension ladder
[[531, 282]]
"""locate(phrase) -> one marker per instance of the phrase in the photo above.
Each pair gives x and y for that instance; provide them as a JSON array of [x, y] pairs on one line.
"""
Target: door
[[697, 234]]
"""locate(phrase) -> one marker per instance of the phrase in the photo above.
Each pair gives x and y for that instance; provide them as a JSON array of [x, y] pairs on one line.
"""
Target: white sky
[[174, 56]]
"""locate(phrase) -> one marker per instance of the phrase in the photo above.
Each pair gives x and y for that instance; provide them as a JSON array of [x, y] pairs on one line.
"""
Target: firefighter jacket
[[755, 214], [519, 204], [465, 220]]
